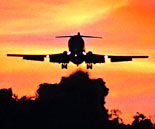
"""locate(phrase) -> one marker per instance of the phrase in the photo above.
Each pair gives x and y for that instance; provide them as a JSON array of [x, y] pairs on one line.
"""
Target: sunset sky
[[127, 28]]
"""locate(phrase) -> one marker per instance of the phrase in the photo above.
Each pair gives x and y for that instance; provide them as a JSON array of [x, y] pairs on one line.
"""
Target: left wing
[[30, 57], [56, 58]]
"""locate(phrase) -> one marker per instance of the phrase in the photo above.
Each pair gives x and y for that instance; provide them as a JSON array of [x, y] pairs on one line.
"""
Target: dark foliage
[[77, 102]]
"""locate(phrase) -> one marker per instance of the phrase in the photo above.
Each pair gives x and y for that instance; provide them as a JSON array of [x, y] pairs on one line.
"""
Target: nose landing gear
[[89, 66], [64, 66]]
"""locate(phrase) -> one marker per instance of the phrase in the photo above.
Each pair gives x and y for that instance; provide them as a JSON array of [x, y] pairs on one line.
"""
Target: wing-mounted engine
[[60, 58], [94, 58], [91, 58]]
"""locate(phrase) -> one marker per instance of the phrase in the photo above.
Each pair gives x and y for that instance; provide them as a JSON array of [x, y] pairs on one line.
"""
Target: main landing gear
[[64, 66], [89, 66]]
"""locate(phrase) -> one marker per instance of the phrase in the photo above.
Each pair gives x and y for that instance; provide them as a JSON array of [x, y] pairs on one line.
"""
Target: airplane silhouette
[[77, 54]]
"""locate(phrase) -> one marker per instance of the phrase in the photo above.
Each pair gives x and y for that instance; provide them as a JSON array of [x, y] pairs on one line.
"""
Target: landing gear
[[89, 66], [64, 66]]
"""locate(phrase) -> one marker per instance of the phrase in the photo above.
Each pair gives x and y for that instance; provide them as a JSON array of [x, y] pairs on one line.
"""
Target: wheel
[[89, 66], [64, 66]]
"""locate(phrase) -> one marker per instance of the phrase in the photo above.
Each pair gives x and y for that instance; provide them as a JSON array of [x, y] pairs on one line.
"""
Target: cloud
[[35, 17]]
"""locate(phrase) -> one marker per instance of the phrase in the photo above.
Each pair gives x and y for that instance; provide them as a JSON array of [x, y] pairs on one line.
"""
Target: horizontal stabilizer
[[90, 36], [78, 34], [64, 36]]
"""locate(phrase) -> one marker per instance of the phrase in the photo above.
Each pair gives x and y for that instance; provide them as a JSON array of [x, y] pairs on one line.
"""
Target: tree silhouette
[[140, 121], [77, 102]]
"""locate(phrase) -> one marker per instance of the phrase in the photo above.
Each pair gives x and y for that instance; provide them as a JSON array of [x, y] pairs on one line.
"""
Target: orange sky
[[127, 28]]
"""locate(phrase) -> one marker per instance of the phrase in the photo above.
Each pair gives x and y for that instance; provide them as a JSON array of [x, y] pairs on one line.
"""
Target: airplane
[[76, 54]]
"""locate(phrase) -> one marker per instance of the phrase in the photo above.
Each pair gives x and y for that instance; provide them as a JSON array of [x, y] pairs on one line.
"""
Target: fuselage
[[76, 49]]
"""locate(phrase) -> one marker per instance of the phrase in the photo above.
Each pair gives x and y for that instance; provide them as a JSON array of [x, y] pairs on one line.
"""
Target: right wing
[[124, 58], [95, 58]]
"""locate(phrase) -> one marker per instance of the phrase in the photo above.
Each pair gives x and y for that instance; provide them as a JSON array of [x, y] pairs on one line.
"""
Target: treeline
[[77, 102]]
